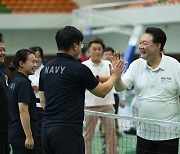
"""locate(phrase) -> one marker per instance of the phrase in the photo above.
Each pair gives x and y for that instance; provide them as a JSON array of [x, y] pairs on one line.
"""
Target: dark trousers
[[62, 140], [18, 146], [157, 147], [4, 143], [116, 105], [39, 143]]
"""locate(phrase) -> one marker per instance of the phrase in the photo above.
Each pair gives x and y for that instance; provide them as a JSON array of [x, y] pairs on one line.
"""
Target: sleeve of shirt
[[178, 77], [24, 92], [41, 80], [128, 76], [88, 79]]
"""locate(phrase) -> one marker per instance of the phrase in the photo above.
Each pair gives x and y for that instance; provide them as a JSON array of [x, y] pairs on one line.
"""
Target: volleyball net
[[102, 139]]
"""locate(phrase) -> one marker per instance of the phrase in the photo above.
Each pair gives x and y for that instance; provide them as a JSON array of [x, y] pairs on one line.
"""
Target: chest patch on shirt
[[165, 80]]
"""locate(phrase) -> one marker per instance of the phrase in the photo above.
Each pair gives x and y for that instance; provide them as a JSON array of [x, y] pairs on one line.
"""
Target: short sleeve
[[87, 78], [41, 80], [178, 77], [24, 92], [128, 76]]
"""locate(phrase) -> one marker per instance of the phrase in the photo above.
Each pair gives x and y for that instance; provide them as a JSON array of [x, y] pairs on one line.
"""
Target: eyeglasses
[[82, 45]]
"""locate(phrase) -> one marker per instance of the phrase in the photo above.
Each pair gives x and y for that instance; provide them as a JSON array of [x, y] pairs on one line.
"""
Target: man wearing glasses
[[62, 86]]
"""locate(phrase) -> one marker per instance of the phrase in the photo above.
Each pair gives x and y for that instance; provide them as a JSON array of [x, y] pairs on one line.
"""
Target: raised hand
[[115, 58], [118, 64]]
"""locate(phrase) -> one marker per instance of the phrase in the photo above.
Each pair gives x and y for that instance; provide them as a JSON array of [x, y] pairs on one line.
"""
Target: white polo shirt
[[157, 94], [35, 81], [102, 70]]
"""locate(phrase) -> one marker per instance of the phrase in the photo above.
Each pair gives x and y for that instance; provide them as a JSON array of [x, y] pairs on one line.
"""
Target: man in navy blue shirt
[[4, 144], [62, 85]]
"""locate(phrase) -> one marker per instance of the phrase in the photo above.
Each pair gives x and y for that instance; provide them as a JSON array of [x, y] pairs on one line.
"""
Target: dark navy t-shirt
[[20, 91], [3, 103], [64, 81]]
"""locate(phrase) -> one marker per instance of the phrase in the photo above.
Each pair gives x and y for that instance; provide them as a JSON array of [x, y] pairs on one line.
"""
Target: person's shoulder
[[105, 62], [49, 62], [20, 81], [84, 67], [139, 61], [171, 59], [86, 61]]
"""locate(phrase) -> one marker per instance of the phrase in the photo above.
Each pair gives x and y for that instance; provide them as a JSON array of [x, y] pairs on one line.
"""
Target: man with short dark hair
[[62, 86], [156, 79], [4, 144], [101, 69]]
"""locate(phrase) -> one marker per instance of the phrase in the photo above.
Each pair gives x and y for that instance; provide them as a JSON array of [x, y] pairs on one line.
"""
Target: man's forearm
[[108, 85], [119, 85], [103, 79], [104, 88]]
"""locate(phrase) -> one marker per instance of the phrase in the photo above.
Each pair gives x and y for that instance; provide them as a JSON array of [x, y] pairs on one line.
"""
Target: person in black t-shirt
[[4, 144], [22, 105], [62, 86]]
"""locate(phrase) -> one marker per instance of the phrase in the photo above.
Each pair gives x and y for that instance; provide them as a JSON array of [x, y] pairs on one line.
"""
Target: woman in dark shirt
[[22, 105]]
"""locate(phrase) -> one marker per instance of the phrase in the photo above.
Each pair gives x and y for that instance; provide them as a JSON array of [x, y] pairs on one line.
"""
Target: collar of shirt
[[100, 64], [19, 74], [161, 66], [66, 56]]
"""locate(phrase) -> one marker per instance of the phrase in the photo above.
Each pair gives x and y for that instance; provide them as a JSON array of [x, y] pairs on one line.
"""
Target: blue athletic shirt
[[20, 90], [64, 81]]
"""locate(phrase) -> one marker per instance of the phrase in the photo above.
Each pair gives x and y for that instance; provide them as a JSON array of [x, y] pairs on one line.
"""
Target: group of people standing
[[66, 86], [19, 102]]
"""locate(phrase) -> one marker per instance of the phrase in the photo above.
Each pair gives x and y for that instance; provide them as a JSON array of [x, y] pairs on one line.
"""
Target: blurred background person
[[134, 110], [108, 55], [38, 51], [100, 68], [83, 56]]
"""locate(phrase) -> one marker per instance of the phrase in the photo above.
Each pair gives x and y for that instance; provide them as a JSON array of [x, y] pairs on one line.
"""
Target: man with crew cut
[[62, 86]]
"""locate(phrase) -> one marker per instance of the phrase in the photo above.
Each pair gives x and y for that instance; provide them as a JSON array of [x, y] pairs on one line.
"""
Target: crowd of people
[[42, 107]]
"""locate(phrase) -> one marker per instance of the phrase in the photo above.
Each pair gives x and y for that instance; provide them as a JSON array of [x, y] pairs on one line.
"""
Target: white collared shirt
[[157, 92], [102, 70], [35, 78]]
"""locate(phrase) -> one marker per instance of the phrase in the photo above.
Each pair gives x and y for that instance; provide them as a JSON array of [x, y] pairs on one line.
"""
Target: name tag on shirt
[[165, 80]]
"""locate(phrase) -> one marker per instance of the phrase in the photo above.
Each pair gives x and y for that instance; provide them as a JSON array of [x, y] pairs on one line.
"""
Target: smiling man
[[4, 145], [101, 69], [157, 86]]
